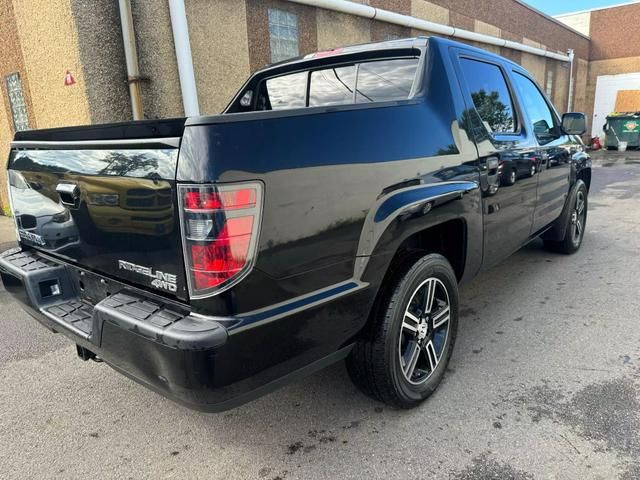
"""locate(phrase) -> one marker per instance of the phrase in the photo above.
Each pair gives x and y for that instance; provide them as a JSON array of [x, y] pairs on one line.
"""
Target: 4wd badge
[[161, 280]]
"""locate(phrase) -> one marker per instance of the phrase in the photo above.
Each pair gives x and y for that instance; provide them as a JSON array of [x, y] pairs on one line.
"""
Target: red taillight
[[220, 229], [214, 200]]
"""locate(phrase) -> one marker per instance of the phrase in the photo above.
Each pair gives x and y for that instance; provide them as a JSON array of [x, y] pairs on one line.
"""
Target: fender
[[559, 228], [395, 217]]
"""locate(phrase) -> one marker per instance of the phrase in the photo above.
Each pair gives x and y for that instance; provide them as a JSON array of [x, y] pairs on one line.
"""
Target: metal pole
[[367, 11], [183, 57], [131, 56], [571, 55]]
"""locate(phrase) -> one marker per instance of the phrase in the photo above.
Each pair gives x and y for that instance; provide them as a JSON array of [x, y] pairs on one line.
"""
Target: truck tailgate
[[107, 206]]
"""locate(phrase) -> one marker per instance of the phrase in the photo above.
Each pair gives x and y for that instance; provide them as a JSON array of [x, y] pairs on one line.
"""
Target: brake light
[[220, 225]]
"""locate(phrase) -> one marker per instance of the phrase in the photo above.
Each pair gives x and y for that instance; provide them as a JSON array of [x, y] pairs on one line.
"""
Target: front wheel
[[413, 330], [576, 223]]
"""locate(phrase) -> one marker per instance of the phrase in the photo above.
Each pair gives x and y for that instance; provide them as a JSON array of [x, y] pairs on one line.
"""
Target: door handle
[[69, 194]]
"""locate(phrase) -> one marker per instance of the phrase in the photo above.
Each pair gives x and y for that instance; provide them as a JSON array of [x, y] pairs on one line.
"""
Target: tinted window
[[333, 86], [288, 91], [537, 109], [377, 81], [490, 95], [386, 80]]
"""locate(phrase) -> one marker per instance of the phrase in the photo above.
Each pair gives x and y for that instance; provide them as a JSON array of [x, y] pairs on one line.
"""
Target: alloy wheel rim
[[578, 218], [424, 331]]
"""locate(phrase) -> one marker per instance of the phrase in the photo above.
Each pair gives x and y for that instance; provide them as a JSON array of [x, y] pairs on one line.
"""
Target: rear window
[[374, 81]]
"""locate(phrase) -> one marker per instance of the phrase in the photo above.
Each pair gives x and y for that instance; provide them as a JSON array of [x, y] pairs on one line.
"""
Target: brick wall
[[615, 32]]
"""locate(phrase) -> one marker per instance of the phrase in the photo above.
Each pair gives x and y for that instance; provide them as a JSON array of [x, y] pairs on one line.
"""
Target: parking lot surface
[[544, 383]]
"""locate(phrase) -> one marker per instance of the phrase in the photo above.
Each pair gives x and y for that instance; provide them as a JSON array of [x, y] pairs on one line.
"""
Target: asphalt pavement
[[544, 383]]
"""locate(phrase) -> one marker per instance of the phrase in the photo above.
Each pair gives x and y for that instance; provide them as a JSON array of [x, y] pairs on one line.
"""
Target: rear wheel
[[510, 177], [577, 221], [414, 328]]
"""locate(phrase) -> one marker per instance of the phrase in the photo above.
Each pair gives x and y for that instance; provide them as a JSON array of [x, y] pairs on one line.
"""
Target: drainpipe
[[366, 11], [183, 56], [571, 55], [131, 56]]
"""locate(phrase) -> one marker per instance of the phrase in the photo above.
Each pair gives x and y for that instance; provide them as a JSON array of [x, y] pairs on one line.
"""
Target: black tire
[[375, 363], [510, 178], [575, 220]]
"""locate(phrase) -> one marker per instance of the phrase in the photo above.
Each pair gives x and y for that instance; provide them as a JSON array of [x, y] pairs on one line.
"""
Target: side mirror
[[574, 123]]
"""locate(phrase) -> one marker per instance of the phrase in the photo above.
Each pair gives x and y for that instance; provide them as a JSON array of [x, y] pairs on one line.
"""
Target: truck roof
[[419, 42]]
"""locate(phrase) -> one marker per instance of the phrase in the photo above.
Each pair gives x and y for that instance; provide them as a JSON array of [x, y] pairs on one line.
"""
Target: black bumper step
[[74, 313], [48, 288]]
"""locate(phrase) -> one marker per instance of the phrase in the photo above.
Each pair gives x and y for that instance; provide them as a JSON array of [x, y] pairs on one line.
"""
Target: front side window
[[537, 109], [17, 103], [283, 35], [490, 95]]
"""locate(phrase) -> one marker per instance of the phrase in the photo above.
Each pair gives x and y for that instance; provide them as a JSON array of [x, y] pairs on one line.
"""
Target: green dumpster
[[622, 127]]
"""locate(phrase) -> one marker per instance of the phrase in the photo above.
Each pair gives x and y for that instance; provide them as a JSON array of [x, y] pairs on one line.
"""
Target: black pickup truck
[[330, 212]]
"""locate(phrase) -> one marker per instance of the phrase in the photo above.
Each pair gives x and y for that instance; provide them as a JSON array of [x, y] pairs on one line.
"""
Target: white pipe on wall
[[366, 11], [184, 58], [131, 58], [571, 60]]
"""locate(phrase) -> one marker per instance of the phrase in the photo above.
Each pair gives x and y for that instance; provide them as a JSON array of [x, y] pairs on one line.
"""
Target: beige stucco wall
[[561, 86], [580, 85], [487, 29], [101, 53], [578, 21], [219, 47], [5, 140], [339, 29], [535, 64], [50, 48], [161, 97], [429, 11]]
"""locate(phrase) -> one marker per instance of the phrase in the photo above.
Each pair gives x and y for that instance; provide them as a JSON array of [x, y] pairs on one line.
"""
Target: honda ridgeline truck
[[329, 213]]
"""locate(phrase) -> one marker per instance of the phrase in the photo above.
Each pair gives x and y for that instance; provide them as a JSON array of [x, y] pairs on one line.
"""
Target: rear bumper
[[204, 363], [159, 345]]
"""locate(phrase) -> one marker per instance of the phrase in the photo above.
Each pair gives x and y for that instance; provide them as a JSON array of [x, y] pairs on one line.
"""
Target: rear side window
[[490, 95], [333, 86], [376, 81], [386, 80], [537, 109], [288, 91]]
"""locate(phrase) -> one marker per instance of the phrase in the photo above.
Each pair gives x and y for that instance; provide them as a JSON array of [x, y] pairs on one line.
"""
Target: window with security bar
[[17, 102], [283, 35]]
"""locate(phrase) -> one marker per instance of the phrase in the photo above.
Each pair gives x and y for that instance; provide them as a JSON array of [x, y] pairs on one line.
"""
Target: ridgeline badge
[[161, 280]]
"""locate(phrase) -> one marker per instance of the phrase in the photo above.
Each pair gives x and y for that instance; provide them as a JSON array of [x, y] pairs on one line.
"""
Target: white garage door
[[607, 87]]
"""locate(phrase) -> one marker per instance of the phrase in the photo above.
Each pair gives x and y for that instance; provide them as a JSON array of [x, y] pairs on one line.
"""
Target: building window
[[283, 35], [548, 89], [17, 103]]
